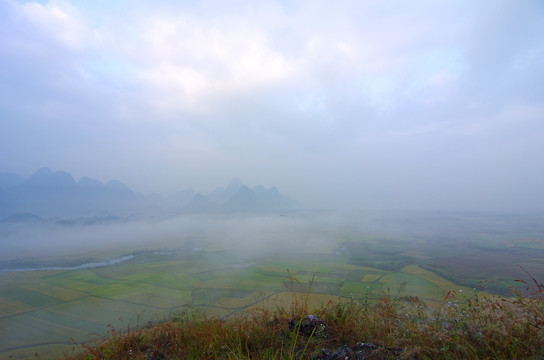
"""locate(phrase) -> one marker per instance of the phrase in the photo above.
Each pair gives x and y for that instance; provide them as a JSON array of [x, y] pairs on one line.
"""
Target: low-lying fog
[[249, 235]]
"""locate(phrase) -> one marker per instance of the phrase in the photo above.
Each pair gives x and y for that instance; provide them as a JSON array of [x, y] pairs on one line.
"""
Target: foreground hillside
[[479, 327]]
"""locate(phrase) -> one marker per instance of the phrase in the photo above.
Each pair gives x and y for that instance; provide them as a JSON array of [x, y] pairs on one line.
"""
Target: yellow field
[[444, 284], [12, 307], [368, 278], [62, 293], [237, 303]]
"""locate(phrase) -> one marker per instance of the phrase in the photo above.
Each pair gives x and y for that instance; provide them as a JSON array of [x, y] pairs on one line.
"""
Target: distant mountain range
[[237, 197], [56, 194]]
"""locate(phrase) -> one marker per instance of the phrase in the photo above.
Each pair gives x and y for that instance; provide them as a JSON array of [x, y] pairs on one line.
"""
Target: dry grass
[[478, 327]]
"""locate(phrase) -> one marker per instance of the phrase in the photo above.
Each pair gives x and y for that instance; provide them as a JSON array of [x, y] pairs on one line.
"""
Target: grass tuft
[[464, 327]]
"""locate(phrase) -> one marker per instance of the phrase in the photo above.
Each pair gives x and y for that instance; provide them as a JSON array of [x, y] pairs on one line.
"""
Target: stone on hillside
[[307, 326]]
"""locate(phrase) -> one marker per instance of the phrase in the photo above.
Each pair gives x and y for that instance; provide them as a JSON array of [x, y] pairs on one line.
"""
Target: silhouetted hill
[[90, 184], [274, 199], [50, 193], [221, 195], [45, 179], [237, 197], [118, 187], [200, 203], [244, 199], [259, 190]]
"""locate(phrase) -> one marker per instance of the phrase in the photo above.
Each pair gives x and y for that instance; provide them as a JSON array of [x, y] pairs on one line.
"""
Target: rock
[[307, 326], [366, 348], [344, 352], [361, 351], [156, 354], [325, 354]]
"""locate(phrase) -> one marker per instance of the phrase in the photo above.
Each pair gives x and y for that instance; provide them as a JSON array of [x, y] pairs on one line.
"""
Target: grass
[[464, 327]]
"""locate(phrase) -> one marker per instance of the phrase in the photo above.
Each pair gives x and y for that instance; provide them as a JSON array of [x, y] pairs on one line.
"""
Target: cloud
[[391, 96], [57, 21], [190, 60]]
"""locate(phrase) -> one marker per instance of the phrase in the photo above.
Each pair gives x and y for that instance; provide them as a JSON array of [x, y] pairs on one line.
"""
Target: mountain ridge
[[48, 193]]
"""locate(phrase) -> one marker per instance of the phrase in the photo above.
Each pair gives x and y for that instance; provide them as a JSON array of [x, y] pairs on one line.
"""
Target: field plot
[[73, 304], [45, 310], [13, 307]]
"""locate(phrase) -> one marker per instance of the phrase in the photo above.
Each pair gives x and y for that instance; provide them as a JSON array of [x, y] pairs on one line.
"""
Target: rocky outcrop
[[361, 351], [313, 326]]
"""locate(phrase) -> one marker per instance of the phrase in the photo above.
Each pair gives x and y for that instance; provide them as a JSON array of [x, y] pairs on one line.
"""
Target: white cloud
[[186, 60], [59, 20]]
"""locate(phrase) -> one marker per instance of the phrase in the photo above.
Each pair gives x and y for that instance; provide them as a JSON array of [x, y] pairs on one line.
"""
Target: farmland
[[229, 265]]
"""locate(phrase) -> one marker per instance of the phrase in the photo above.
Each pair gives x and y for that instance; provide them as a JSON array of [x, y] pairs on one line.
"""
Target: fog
[[252, 236], [245, 236]]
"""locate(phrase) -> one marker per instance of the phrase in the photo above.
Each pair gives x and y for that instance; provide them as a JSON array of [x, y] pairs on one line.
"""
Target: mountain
[[244, 199], [48, 193], [56, 193], [45, 179], [237, 197], [220, 195], [90, 184], [44, 193], [259, 190], [178, 201], [199, 204], [275, 200], [117, 186]]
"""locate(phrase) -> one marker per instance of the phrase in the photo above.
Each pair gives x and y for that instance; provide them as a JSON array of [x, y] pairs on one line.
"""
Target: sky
[[423, 105]]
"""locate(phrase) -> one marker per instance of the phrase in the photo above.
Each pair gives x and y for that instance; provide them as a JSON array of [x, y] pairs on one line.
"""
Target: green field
[[44, 312]]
